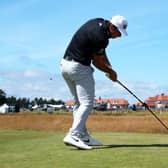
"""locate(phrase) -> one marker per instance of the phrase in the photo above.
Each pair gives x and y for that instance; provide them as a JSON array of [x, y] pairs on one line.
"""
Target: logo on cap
[[121, 23]]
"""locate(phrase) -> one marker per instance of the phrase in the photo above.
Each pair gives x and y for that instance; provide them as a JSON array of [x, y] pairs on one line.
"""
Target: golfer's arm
[[101, 62]]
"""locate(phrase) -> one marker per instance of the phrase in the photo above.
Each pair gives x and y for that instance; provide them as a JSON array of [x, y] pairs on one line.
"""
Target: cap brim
[[123, 32]]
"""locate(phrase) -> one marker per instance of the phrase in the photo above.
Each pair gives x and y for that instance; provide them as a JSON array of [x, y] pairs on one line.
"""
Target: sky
[[34, 35]]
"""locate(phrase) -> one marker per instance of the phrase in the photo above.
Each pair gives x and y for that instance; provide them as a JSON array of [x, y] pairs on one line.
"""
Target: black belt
[[74, 60], [69, 59]]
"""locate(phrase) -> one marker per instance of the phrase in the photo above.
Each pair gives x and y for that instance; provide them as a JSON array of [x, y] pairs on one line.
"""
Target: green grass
[[42, 149]]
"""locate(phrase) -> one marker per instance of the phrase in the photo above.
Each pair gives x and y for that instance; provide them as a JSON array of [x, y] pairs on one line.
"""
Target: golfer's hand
[[112, 75]]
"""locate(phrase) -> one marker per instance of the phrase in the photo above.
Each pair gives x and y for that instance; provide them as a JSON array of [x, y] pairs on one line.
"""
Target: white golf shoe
[[90, 140], [76, 141]]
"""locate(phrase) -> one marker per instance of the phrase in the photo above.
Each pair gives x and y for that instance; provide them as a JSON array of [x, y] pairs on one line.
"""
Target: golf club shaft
[[144, 104]]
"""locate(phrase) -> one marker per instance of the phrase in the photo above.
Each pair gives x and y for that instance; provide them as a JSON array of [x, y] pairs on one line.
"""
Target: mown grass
[[44, 149]]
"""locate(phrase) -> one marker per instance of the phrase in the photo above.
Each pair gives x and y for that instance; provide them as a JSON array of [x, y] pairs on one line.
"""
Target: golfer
[[88, 47]]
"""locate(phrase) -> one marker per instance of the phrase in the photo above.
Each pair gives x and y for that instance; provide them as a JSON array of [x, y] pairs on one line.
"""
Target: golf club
[[144, 104]]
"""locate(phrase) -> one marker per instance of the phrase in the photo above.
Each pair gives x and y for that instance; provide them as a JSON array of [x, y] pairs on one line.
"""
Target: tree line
[[25, 102]]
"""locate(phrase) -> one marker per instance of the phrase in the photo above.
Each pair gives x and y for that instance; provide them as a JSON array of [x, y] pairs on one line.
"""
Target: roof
[[117, 101], [151, 101], [162, 97], [69, 102]]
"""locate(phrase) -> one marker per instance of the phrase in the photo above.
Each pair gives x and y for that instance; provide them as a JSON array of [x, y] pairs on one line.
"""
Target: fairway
[[44, 149]]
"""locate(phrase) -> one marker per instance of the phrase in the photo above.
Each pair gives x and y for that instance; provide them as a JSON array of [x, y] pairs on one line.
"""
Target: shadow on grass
[[129, 146]]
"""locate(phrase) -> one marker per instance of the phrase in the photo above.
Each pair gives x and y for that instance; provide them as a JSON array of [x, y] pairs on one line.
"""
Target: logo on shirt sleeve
[[100, 24]]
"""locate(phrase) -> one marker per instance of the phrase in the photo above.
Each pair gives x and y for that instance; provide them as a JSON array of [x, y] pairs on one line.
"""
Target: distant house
[[69, 103], [111, 103], [4, 109], [157, 102]]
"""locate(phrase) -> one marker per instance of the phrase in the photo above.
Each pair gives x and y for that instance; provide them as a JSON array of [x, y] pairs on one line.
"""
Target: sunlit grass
[[43, 149]]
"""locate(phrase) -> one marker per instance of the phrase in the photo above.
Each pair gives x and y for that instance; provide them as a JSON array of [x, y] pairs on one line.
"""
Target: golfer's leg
[[72, 87], [68, 70], [85, 91]]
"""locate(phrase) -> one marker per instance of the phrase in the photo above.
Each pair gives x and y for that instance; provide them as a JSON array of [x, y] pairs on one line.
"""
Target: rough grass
[[101, 122], [44, 149]]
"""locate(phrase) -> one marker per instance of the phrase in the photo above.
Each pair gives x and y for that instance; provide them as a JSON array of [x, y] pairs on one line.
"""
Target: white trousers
[[80, 81]]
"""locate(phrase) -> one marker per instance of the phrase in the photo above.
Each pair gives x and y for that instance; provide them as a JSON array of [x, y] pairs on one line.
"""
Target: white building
[[4, 109]]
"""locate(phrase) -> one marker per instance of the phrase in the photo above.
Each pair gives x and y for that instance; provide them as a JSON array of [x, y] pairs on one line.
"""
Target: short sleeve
[[100, 47]]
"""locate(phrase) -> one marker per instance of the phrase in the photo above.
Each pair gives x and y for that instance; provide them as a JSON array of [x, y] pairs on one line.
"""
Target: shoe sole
[[89, 144], [69, 144]]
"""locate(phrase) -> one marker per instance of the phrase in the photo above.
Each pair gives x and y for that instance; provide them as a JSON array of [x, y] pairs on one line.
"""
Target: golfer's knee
[[87, 106]]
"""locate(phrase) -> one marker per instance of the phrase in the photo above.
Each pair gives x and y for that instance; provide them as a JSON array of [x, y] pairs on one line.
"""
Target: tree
[[11, 100], [2, 97]]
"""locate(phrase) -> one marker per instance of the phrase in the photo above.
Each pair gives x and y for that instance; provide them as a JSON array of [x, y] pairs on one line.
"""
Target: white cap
[[121, 23]]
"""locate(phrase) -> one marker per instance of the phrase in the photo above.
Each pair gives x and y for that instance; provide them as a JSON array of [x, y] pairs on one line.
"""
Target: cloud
[[34, 83], [32, 74], [142, 90]]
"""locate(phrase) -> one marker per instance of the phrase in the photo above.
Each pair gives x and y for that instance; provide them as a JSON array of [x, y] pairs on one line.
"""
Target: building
[[106, 103], [4, 109], [113, 103], [157, 102]]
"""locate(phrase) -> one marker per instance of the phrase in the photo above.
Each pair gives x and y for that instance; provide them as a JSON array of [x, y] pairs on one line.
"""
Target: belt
[[69, 59], [74, 60]]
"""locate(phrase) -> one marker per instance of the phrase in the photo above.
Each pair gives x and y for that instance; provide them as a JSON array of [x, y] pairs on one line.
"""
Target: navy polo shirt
[[92, 37]]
